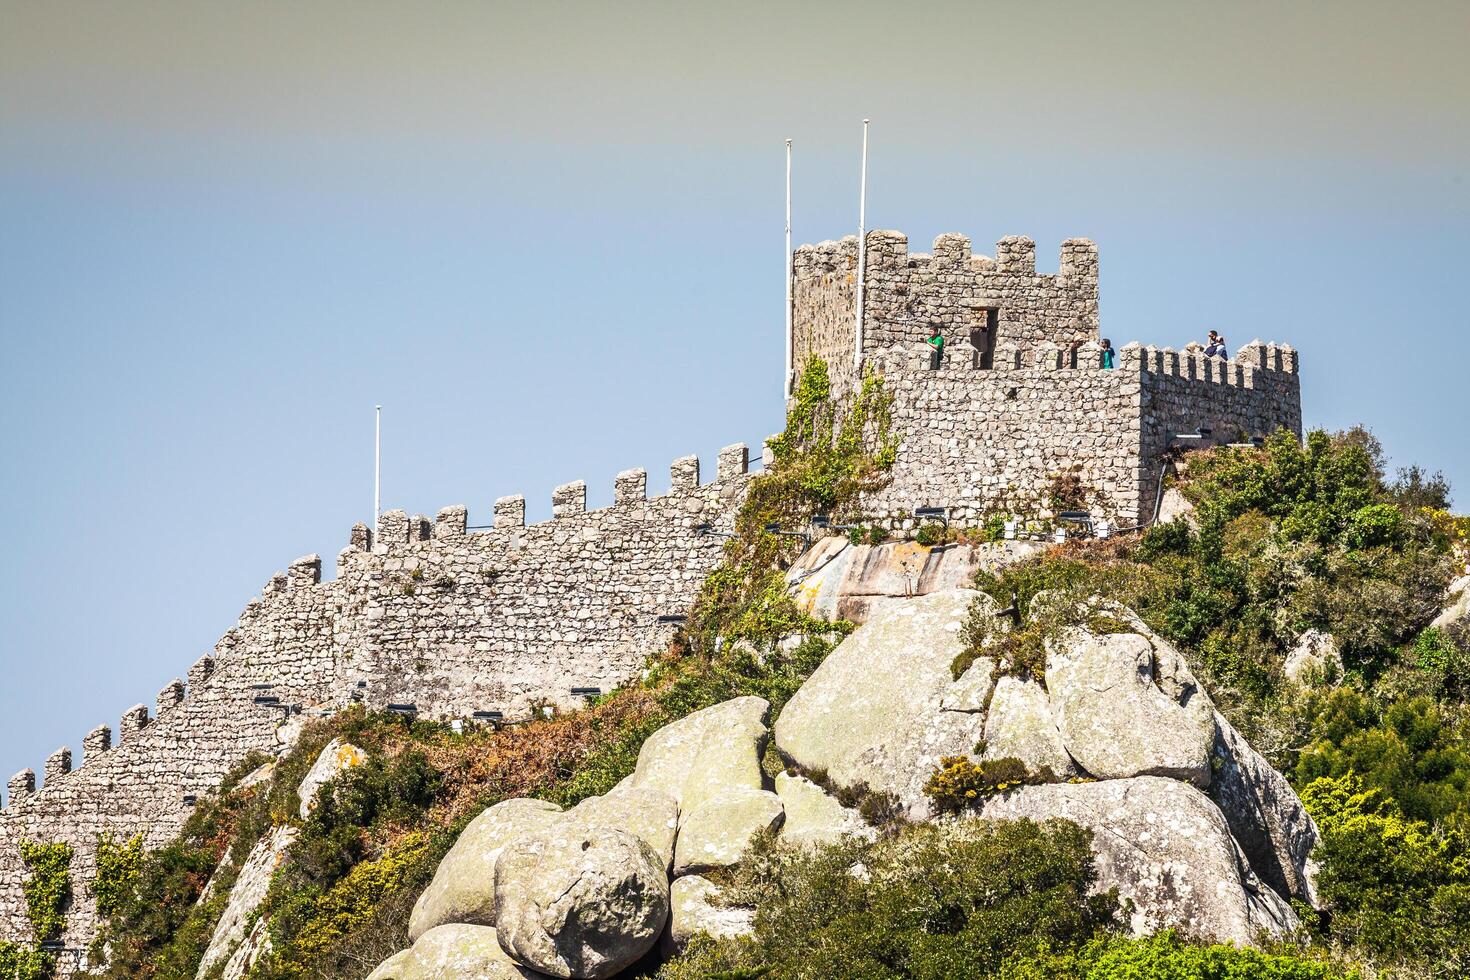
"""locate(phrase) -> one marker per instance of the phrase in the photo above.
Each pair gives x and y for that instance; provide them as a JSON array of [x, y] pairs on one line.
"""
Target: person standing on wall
[[1107, 354], [936, 341]]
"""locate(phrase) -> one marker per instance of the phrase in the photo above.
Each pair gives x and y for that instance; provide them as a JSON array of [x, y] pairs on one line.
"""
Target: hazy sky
[[547, 237]]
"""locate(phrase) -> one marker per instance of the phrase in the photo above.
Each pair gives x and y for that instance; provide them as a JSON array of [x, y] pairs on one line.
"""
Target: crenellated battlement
[[99, 741], [951, 253], [971, 298], [568, 501], [1255, 364]]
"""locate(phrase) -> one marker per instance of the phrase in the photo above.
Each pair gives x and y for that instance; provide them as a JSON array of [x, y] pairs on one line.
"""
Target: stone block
[[304, 572], [630, 486], [58, 764], [684, 474], [569, 499], [510, 511], [22, 785], [171, 695], [733, 461], [451, 523], [392, 530], [97, 741], [202, 670], [134, 720]]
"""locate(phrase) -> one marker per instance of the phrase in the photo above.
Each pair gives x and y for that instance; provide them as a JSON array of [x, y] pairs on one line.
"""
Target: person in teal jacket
[[1107, 354]]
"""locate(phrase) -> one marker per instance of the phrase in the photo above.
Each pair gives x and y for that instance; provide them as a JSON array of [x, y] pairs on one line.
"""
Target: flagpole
[[790, 271], [377, 466], [857, 353]]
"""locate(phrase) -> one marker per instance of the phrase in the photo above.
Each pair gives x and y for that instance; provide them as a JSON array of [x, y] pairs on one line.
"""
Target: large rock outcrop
[[715, 833], [1267, 819], [578, 902], [240, 938], [1020, 725], [1166, 847], [463, 888], [695, 908], [875, 711], [453, 952], [585, 893], [1127, 705], [643, 811], [335, 759], [232, 933], [812, 817], [707, 753], [1457, 604]]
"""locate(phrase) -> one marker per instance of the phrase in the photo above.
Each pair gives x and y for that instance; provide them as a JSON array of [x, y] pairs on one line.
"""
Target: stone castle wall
[[987, 441], [451, 618]]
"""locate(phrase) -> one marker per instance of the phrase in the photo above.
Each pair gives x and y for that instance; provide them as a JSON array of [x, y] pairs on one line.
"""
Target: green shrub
[[930, 534], [823, 461], [1167, 956], [1443, 655], [1413, 750], [21, 962], [47, 886], [1375, 525], [1395, 889], [933, 901], [957, 784], [349, 903], [119, 864]]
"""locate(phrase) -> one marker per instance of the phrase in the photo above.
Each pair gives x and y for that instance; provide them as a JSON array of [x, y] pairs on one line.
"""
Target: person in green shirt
[[1107, 354], [936, 341]]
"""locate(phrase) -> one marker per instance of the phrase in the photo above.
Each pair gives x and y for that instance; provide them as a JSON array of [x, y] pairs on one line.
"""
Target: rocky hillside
[[1234, 745]]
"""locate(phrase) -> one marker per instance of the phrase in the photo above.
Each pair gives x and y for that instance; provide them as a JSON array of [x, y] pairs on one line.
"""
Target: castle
[[1021, 397], [454, 619]]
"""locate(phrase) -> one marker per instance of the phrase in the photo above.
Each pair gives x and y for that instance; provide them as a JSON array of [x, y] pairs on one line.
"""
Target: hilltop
[[1294, 641]]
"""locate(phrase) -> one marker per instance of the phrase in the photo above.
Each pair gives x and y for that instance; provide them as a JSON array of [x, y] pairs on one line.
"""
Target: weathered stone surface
[[704, 754], [695, 908], [249, 890], [1127, 705], [971, 692], [837, 580], [1265, 816], [335, 759], [1020, 725], [463, 888], [579, 902], [872, 711], [1164, 845], [815, 579], [643, 811], [715, 833], [1315, 657], [1174, 506], [256, 944], [1457, 604], [453, 952], [812, 817]]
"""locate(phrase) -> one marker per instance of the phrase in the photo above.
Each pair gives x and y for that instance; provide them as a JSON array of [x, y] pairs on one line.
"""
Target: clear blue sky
[[547, 238]]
